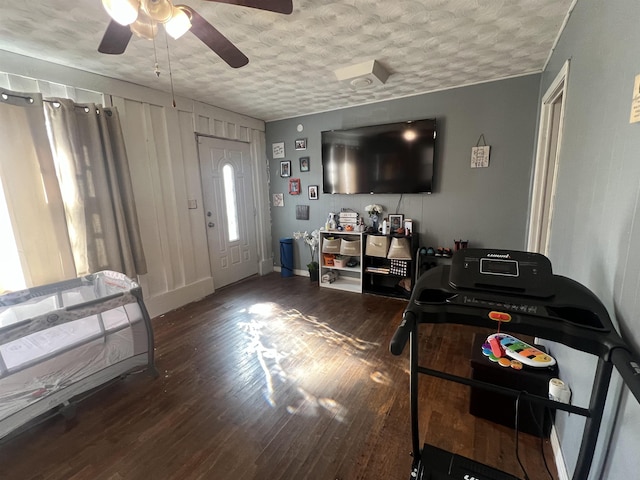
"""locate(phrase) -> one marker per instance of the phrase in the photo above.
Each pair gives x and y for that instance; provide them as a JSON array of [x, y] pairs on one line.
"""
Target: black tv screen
[[390, 158]]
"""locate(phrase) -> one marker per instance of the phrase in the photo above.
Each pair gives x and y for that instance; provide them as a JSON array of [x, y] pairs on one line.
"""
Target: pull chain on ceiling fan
[[141, 17]]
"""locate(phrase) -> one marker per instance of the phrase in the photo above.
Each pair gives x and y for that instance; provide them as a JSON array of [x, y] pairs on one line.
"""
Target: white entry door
[[227, 186]]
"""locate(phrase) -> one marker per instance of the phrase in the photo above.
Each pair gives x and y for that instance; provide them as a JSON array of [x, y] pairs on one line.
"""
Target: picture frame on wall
[[396, 221], [278, 200], [301, 144], [302, 212], [294, 186], [285, 168], [304, 164], [277, 150], [313, 192]]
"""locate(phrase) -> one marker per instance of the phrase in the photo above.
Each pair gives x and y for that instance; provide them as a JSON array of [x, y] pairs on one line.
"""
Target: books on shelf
[[348, 213], [377, 270], [348, 218]]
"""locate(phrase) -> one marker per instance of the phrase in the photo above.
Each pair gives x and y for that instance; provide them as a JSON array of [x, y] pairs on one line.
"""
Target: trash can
[[286, 257]]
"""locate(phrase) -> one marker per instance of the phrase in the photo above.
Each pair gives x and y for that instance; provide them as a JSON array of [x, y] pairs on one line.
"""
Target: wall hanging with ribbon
[[480, 154]]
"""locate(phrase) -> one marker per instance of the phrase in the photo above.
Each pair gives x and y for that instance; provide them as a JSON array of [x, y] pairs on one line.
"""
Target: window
[[11, 276], [230, 201]]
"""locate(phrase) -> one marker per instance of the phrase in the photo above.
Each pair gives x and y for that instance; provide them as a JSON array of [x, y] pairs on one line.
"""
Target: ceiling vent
[[363, 75]]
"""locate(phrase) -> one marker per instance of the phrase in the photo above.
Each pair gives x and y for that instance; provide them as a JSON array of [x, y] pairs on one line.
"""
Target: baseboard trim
[[301, 273], [265, 266], [557, 454], [165, 302]]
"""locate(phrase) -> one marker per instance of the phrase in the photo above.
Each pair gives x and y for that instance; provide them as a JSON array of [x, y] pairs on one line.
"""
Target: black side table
[[501, 408]]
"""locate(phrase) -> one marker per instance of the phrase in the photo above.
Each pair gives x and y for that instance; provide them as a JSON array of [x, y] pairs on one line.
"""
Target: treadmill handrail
[[628, 365], [597, 341], [400, 338]]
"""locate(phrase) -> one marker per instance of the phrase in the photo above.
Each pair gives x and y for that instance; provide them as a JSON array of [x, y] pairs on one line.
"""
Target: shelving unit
[[364, 277], [379, 276], [349, 278], [424, 262]]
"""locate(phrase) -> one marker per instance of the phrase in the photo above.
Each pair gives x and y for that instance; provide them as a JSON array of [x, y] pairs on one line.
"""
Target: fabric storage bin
[[350, 247], [331, 245], [377, 246], [399, 249], [399, 267]]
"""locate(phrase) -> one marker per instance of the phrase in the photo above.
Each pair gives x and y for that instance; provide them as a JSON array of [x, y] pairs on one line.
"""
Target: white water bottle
[[384, 227]]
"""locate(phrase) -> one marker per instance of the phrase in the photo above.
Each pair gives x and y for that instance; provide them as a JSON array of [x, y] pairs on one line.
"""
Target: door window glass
[[230, 201]]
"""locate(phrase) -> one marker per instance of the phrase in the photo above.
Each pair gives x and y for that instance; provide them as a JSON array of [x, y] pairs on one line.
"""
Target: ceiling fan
[[141, 17]]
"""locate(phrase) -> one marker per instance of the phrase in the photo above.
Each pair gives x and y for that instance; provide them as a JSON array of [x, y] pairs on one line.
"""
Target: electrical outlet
[[193, 204]]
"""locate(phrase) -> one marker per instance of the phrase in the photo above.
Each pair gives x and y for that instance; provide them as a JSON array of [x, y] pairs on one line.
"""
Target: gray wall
[[486, 206], [596, 228]]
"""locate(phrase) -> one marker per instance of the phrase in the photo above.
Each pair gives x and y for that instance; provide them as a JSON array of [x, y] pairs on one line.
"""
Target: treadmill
[[482, 287]]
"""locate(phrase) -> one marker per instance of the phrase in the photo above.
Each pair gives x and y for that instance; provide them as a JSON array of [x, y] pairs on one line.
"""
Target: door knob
[[211, 224]]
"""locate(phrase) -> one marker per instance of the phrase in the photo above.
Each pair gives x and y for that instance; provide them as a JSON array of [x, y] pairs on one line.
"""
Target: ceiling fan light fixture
[[177, 20], [178, 24], [125, 12], [159, 10], [145, 27]]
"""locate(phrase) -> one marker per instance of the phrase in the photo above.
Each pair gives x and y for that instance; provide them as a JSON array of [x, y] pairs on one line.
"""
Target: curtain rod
[[6, 95], [55, 103]]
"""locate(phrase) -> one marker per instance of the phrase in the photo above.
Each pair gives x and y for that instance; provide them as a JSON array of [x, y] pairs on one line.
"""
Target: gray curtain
[[93, 172], [35, 247]]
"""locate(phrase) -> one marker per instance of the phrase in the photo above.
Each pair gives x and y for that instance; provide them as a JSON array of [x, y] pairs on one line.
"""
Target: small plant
[[312, 239], [373, 210]]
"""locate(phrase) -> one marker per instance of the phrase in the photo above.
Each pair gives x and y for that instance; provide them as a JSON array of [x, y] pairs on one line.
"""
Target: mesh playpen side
[[61, 340]]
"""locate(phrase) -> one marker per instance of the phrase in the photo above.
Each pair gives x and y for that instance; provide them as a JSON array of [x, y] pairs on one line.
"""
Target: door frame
[[557, 89]]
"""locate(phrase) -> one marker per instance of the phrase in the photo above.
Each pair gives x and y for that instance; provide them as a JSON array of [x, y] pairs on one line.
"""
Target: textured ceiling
[[426, 45]]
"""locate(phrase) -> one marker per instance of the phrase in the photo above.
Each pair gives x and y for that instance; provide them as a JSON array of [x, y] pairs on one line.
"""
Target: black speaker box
[[532, 418]]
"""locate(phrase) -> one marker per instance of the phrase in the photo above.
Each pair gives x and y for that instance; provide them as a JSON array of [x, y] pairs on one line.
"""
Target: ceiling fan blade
[[213, 39], [278, 6], [115, 39]]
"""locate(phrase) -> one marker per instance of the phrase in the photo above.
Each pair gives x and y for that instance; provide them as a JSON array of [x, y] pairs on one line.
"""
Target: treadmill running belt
[[438, 464]]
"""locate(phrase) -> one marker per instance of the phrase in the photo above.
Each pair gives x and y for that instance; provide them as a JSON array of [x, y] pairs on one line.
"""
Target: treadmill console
[[505, 271]]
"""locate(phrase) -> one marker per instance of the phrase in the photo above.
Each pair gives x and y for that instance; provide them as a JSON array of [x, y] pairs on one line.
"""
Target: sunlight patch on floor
[[288, 346], [262, 309], [380, 377]]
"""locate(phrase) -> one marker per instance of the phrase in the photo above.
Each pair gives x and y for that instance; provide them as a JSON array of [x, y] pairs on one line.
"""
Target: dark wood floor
[[273, 378]]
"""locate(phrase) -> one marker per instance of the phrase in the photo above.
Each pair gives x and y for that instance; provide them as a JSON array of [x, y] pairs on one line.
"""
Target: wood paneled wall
[[163, 158]]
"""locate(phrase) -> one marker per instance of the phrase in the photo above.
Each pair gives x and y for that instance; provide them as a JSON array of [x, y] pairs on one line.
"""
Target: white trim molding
[[557, 89], [557, 454]]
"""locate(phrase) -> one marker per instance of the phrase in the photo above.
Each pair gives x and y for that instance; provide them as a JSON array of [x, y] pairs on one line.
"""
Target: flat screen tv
[[390, 158]]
